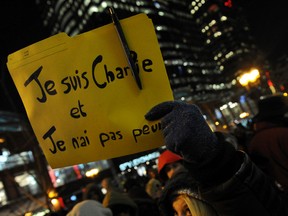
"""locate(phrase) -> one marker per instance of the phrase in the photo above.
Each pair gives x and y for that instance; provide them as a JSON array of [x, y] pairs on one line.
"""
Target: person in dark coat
[[146, 204], [153, 187], [221, 180], [268, 147]]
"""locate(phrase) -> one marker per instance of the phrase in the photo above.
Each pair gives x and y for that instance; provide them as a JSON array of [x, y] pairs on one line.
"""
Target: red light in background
[[270, 83], [77, 171], [228, 3], [61, 201], [213, 8]]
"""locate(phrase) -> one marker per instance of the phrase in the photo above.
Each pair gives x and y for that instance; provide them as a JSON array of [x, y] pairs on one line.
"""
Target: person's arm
[[235, 183], [187, 134], [219, 167], [248, 192]]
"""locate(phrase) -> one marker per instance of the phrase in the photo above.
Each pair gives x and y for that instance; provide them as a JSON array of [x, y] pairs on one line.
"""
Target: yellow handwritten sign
[[81, 98]]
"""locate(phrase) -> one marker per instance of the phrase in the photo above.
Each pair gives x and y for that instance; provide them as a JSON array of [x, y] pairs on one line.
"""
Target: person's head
[[120, 204], [180, 197], [90, 208], [131, 183], [271, 109], [168, 164], [106, 183], [152, 173], [93, 192]]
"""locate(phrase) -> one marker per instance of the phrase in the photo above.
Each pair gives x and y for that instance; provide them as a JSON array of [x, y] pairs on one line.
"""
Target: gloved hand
[[185, 130]]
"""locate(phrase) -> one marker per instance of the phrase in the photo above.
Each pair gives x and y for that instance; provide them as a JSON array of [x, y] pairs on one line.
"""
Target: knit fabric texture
[[185, 130]]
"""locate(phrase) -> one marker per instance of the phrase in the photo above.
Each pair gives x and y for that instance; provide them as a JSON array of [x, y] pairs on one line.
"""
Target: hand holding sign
[[81, 97]]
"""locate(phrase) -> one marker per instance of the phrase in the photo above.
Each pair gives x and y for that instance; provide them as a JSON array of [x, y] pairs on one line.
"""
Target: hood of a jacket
[[182, 183]]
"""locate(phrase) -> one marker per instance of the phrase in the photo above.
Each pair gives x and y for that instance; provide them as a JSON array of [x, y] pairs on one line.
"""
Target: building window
[[3, 197], [27, 183]]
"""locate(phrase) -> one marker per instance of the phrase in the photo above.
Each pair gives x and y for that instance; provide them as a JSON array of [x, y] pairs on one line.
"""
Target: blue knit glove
[[185, 131]]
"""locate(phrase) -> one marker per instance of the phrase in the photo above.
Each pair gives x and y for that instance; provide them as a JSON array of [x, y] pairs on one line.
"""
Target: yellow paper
[[81, 98]]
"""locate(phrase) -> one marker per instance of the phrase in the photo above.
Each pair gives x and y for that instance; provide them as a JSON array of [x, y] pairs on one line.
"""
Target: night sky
[[268, 24]]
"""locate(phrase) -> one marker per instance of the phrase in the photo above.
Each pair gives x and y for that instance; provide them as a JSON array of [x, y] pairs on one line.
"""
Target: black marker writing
[[58, 145]]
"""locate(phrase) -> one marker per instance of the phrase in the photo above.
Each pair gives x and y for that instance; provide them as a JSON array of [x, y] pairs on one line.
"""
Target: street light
[[250, 80], [249, 77]]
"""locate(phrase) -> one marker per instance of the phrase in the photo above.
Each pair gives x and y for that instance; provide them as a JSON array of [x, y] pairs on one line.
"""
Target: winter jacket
[[269, 150], [231, 184]]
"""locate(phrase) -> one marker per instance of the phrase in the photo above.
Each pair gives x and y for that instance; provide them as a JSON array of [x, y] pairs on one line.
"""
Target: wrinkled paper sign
[[81, 98]]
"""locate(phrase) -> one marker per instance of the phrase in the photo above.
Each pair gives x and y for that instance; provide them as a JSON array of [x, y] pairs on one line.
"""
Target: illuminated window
[[28, 183], [3, 197]]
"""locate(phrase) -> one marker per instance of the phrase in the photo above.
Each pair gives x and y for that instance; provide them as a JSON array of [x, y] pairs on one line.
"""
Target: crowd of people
[[202, 172]]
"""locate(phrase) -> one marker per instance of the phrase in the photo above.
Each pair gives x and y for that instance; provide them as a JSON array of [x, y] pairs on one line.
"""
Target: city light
[[52, 194], [92, 172], [244, 115], [249, 77], [56, 204]]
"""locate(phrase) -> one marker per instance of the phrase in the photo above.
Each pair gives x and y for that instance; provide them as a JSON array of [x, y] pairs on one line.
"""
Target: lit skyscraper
[[204, 43]]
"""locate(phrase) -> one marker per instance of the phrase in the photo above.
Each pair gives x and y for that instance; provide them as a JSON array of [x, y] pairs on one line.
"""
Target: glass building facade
[[204, 43]]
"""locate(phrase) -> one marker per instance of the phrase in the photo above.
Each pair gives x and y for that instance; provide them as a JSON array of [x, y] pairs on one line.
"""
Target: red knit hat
[[165, 158]]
